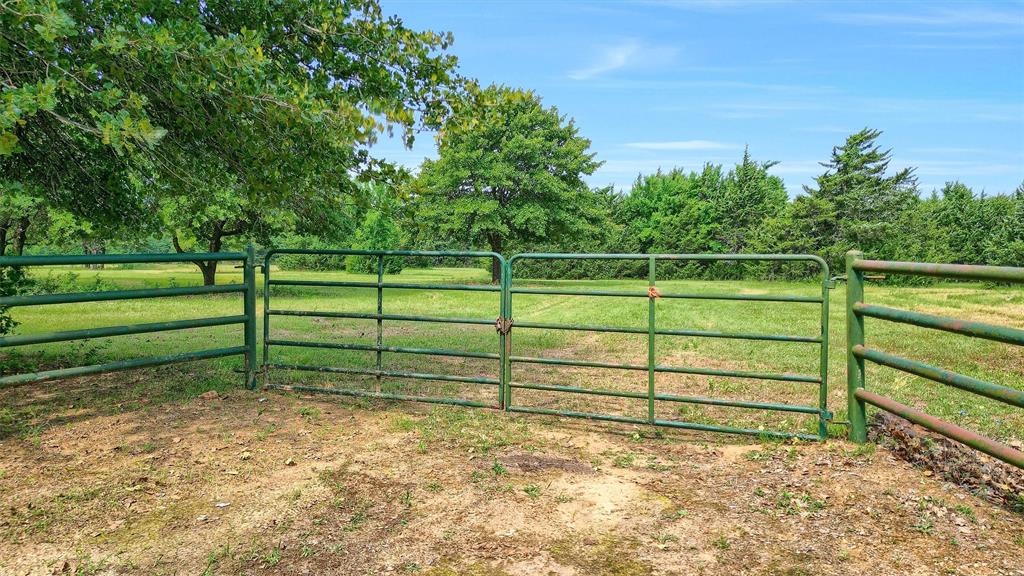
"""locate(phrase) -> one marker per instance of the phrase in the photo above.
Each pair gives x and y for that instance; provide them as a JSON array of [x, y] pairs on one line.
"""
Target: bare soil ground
[[268, 483]]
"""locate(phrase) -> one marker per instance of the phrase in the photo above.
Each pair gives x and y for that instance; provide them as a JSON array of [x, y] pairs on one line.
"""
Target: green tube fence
[[652, 367], [247, 319], [379, 317], [501, 380], [857, 353]]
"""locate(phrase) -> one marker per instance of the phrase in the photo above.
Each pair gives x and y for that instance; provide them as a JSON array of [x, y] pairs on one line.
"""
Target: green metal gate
[[857, 352], [379, 348], [652, 331]]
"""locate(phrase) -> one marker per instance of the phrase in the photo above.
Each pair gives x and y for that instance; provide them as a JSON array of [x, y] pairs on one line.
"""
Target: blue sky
[[679, 83]]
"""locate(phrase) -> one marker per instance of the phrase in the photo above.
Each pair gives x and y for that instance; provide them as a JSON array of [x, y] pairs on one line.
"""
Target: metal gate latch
[[503, 325]]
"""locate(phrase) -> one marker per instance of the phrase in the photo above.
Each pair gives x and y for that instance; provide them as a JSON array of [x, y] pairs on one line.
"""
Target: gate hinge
[[652, 292], [503, 325]]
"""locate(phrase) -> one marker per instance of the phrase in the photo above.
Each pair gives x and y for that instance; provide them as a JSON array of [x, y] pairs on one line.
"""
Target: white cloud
[[682, 145], [626, 54]]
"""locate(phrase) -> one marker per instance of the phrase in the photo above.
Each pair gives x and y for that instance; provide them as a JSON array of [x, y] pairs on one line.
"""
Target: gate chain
[[503, 325]]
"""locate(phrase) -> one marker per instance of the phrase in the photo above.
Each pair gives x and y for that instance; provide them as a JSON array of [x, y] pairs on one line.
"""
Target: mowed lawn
[[980, 358]]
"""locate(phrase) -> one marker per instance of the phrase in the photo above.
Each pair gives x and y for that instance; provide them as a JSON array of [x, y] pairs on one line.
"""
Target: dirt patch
[[253, 483], [533, 463]]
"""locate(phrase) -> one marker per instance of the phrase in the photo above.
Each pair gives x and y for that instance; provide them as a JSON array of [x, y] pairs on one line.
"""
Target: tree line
[[201, 126]]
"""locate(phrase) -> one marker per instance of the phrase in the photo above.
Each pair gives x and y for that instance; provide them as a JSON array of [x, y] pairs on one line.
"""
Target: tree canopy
[[509, 171], [110, 107]]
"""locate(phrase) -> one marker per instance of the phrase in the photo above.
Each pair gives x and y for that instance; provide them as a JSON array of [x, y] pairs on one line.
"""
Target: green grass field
[[988, 360]]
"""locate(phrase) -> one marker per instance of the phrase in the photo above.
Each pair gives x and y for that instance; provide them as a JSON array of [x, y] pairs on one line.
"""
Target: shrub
[[377, 232]]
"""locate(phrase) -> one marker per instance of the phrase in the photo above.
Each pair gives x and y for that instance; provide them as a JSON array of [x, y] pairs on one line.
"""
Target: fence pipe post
[[823, 360], [266, 318], [380, 321], [249, 279], [650, 340], [502, 315], [854, 336], [506, 362]]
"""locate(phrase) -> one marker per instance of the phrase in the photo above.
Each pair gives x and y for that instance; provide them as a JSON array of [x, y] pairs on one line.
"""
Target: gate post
[[249, 279], [652, 293], [854, 337], [504, 334], [380, 319]]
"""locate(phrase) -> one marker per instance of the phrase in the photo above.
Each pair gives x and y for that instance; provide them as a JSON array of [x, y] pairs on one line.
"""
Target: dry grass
[[277, 484]]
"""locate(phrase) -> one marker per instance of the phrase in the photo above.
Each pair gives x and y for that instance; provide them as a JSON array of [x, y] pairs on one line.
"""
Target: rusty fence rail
[[654, 332], [247, 319], [858, 353]]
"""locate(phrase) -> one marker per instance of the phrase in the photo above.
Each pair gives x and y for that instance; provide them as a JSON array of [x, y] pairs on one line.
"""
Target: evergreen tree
[[855, 204]]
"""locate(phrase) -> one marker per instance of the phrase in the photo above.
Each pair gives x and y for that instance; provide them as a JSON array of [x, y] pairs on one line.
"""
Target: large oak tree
[[509, 171], [108, 106]]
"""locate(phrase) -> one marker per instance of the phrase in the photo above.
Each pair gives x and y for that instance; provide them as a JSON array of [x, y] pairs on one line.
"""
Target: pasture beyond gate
[[506, 382]]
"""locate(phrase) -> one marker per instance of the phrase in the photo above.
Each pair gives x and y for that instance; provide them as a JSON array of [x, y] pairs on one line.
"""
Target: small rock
[[246, 455], [289, 462], [209, 395], [222, 504]]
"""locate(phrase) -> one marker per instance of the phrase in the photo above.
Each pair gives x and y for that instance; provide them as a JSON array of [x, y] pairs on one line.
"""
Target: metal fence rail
[[379, 348], [858, 353], [652, 331], [247, 319]]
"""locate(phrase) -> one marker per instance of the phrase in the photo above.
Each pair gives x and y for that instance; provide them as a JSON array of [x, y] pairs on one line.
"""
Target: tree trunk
[[3, 241], [19, 236], [495, 242], [93, 248], [209, 270]]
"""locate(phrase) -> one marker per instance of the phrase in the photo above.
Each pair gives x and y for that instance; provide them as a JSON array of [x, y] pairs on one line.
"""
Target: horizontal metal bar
[[668, 369], [739, 336], [944, 323], [740, 374], [774, 406], [369, 316], [427, 253], [571, 362], [645, 294], [700, 257], [389, 373], [88, 333], [973, 439], [585, 328], [373, 348], [65, 260], [397, 285], [948, 377], [666, 423], [75, 297], [578, 390], [693, 333], [380, 395], [669, 398], [121, 365], [963, 271]]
